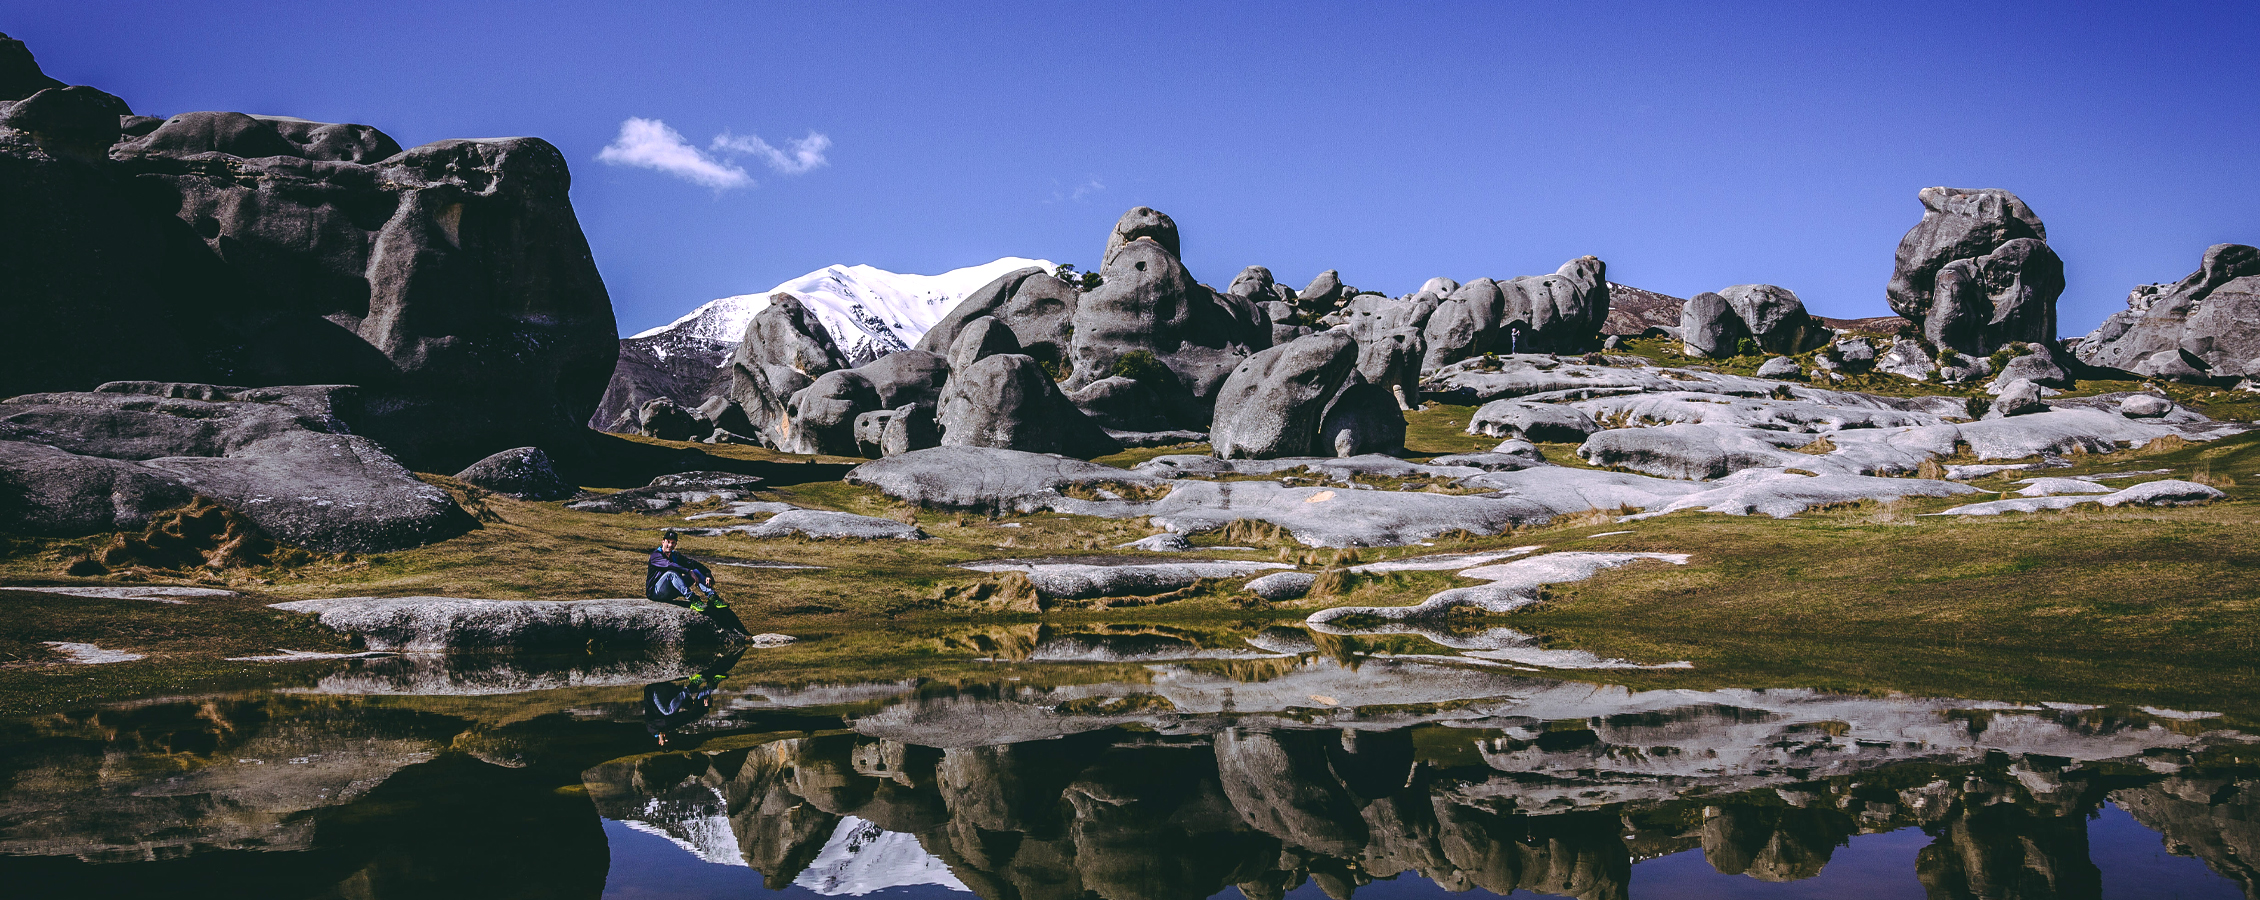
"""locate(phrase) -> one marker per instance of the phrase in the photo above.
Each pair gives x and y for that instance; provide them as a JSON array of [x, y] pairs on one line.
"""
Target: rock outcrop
[[2205, 326], [525, 473], [1274, 404], [450, 282], [108, 460], [1558, 313], [783, 352], [1976, 273], [1714, 324], [1150, 306]]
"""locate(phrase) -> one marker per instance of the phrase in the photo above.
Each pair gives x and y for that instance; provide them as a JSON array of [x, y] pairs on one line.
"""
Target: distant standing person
[[671, 574]]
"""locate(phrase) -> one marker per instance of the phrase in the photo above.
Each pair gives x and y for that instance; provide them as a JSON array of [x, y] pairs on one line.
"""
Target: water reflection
[[1258, 776]]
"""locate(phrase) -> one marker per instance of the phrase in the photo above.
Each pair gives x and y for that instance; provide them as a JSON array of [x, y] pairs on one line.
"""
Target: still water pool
[[1295, 776]]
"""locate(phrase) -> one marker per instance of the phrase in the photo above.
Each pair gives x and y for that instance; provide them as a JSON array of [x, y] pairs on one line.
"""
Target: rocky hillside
[[869, 312]]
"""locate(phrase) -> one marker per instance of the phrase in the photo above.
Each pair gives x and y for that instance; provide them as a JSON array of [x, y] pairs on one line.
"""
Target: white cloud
[[804, 154], [1078, 194], [650, 144]]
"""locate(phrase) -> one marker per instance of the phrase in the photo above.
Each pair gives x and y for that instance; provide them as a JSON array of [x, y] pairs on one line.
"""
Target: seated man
[[670, 575]]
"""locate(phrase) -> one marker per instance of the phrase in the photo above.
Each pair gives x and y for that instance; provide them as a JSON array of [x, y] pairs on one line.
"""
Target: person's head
[[667, 541]]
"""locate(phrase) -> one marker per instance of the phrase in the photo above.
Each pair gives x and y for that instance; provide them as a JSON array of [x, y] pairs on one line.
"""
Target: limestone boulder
[[1532, 421], [821, 417], [1273, 404], [2019, 397], [828, 525], [1776, 318], [462, 625], [2145, 406], [525, 473], [1907, 359], [107, 460], [1558, 313], [1142, 223], [1780, 367], [661, 418], [1037, 307], [988, 478], [1009, 402], [1364, 418], [2211, 317], [1709, 327], [1152, 321], [450, 282], [1976, 272], [784, 350]]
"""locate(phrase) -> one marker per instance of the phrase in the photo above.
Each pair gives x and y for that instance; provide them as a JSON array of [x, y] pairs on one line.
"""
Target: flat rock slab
[[2148, 493], [455, 624], [90, 655], [1082, 579], [1339, 517], [1339, 470], [2050, 487], [1513, 585], [1165, 542], [158, 593], [827, 525], [1781, 494], [989, 478]]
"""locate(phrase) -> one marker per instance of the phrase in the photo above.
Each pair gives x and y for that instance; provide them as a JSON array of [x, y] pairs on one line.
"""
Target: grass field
[[2137, 605]]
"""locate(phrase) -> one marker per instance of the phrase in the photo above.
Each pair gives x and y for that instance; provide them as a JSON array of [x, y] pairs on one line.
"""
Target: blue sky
[[1691, 146]]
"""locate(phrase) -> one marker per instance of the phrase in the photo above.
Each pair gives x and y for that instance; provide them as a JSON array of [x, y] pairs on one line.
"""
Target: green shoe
[[698, 606], [715, 601]]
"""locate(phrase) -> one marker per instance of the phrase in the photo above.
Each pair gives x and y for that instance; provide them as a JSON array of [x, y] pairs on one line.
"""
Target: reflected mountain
[[1200, 776]]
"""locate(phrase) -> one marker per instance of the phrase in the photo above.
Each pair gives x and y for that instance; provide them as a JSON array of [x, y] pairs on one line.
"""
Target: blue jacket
[[663, 562]]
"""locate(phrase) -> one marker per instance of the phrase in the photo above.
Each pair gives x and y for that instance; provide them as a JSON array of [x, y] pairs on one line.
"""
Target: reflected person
[[672, 704]]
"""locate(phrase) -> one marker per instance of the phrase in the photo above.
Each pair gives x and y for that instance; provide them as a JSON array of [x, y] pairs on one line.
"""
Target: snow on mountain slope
[[870, 312], [861, 858]]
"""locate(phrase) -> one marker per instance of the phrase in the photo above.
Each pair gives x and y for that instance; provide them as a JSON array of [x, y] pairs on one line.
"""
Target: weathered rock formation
[[2205, 326], [1297, 399], [1976, 272], [1771, 317], [450, 281], [1558, 313], [525, 473], [108, 460]]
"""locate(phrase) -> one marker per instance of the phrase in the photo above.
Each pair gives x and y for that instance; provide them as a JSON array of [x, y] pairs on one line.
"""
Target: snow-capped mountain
[[861, 858], [870, 312]]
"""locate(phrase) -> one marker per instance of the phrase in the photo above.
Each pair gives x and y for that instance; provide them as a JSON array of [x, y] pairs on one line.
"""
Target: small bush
[[1141, 366]]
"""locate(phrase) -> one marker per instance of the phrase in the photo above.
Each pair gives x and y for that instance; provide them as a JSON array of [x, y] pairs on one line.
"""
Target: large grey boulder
[[1282, 586], [1362, 419], [1780, 367], [661, 418], [1714, 324], [107, 460], [1150, 307], [1558, 313], [1853, 354], [1532, 421], [784, 350], [1688, 451], [1273, 404], [1142, 223], [1323, 295], [1907, 359], [982, 337], [821, 418], [459, 625], [2145, 406], [2038, 365], [525, 473], [988, 478], [1775, 318], [1709, 327], [1039, 308], [2017, 398], [451, 282], [1464, 324], [1976, 272], [1008, 401], [2211, 317], [1391, 361]]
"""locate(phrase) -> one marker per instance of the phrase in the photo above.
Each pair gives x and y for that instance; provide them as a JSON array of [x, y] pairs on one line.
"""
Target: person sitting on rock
[[671, 574]]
